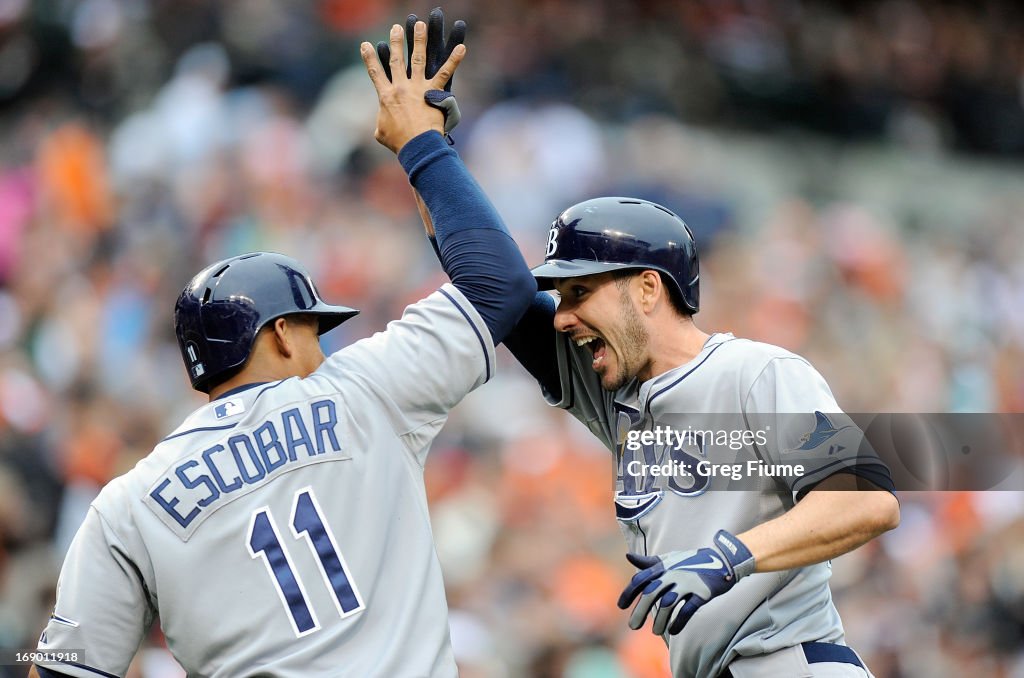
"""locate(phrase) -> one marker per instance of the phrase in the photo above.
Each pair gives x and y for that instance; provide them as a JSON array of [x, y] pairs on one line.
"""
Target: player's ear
[[651, 289], [284, 337]]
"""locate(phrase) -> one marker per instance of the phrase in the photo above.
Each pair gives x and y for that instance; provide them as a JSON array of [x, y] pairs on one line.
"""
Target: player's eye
[[578, 291]]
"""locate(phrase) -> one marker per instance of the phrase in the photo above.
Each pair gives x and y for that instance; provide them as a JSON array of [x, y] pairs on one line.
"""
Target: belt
[[818, 653]]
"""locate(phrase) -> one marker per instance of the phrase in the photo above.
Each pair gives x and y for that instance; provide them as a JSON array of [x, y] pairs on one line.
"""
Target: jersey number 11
[[306, 522]]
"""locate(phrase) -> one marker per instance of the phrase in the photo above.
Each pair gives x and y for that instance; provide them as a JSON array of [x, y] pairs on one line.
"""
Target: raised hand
[[438, 52], [404, 113]]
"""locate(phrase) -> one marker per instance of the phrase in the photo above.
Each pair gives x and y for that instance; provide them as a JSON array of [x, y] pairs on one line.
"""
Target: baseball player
[[733, 563], [732, 555], [282, 528]]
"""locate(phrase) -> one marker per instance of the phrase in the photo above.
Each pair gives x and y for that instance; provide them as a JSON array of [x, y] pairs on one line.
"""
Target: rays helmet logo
[[552, 241]]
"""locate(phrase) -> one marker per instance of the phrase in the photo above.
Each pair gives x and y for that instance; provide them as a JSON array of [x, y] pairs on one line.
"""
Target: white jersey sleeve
[[106, 581], [791, 401], [422, 364]]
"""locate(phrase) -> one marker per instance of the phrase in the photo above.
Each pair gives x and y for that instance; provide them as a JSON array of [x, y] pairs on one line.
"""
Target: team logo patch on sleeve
[[823, 430]]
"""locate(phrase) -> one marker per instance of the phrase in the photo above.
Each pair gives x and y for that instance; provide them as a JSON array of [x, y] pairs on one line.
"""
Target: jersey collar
[[639, 396], [206, 416], [238, 389]]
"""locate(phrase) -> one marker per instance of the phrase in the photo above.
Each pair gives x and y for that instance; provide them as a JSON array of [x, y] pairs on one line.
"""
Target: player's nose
[[565, 319]]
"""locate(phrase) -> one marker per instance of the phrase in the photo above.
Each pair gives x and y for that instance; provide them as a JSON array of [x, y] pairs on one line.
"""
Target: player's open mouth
[[597, 349]]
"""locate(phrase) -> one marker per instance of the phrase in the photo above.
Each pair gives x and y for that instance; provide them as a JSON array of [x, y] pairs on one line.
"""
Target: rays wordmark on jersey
[[637, 490]]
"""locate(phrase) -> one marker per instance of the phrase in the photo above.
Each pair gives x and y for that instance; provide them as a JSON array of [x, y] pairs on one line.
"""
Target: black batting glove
[[384, 50], [438, 51], [442, 50], [674, 586]]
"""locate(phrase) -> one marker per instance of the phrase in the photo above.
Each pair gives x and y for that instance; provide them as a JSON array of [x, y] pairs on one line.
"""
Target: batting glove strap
[[446, 103], [736, 554]]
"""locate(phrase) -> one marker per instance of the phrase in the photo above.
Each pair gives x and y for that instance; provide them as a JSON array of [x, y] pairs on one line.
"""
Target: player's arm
[[476, 250], [836, 517], [532, 339], [102, 606], [443, 346], [840, 514], [845, 496], [473, 244]]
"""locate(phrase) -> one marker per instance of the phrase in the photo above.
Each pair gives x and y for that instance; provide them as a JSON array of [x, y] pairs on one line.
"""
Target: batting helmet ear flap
[[219, 313], [610, 234]]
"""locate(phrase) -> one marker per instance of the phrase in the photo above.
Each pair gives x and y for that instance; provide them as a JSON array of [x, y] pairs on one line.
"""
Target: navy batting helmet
[[220, 311], [613, 234]]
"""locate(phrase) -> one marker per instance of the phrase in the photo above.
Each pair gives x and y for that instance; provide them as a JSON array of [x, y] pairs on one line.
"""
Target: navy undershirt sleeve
[[876, 474], [476, 250], [532, 342]]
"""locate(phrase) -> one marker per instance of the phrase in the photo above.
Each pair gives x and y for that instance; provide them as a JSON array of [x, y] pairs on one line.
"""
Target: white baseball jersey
[[282, 530], [702, 473]]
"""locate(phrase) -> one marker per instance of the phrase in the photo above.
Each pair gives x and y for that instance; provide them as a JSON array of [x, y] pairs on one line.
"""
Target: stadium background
[[852, 171]]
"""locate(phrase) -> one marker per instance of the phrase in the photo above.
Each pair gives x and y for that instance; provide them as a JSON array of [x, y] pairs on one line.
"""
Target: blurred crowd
[[851, 170]]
